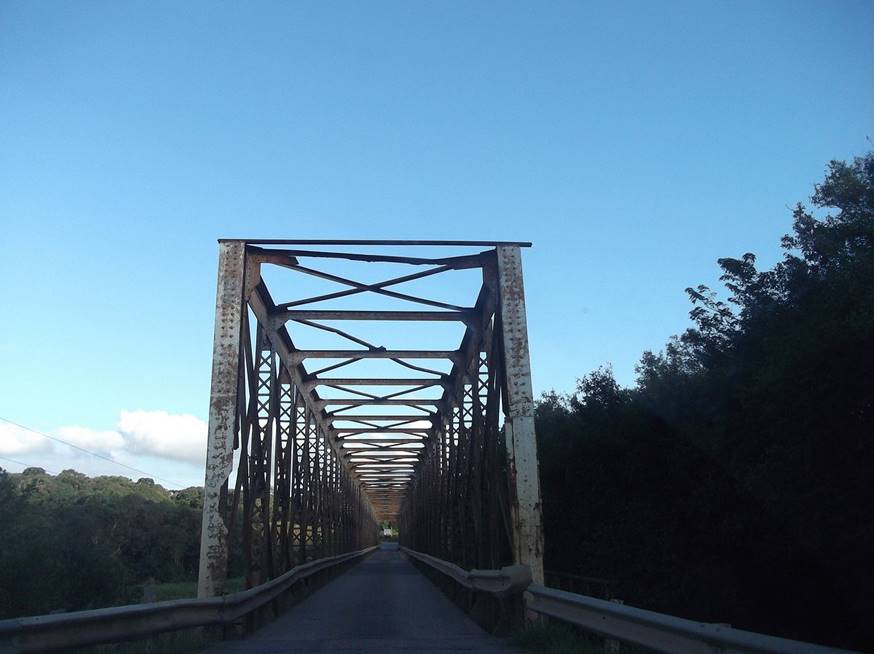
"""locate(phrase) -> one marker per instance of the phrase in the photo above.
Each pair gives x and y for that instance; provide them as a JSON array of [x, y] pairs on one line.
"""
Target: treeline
[[735, 481], [71, 542]]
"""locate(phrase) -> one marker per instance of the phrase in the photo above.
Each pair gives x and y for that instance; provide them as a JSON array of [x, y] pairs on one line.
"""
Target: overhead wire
[[94, 454], [27, 465]]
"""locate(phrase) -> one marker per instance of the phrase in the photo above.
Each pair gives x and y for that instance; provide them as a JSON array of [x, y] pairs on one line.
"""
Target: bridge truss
[[309, 448]]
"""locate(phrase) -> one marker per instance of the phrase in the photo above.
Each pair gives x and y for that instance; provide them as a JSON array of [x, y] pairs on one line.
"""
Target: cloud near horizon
[[181, 437], [176, 437], [15, 440], [101, 442]]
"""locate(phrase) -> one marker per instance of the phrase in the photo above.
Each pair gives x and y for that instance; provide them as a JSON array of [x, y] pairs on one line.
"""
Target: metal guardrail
[[657, 631], [574, 583], [506, 581], [663, 633], [65, 630]]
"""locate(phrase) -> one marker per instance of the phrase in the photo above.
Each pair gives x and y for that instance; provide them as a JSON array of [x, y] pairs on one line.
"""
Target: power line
[[27, 465], [95, 454]]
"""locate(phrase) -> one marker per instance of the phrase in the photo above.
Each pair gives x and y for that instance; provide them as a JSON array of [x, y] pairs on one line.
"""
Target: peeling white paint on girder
[[519, 426], [222, 416]]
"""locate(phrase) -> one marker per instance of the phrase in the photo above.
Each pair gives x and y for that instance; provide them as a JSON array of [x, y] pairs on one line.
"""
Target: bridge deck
[[381, 605]]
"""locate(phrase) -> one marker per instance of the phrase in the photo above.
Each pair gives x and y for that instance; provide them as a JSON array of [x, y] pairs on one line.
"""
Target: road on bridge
[[381, 605]]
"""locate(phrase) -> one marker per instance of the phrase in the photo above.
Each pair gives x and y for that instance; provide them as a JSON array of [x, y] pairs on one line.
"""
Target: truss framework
[[323, 454]]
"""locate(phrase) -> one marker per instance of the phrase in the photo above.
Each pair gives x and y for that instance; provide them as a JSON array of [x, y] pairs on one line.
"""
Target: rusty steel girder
[[450, 457]]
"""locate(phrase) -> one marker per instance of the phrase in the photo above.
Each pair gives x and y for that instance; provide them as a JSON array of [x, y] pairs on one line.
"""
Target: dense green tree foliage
[[734, 482], [72, 542]]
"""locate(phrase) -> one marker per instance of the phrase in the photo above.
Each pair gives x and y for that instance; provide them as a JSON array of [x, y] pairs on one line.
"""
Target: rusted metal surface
[[320, 464], [457, 506], [376, 354], [279, 241], [386, 381], [419, 316], [293, 499], [222, 417], [522, 463]]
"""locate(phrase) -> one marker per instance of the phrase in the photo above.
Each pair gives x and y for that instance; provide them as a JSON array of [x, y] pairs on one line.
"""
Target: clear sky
[[634, 143]]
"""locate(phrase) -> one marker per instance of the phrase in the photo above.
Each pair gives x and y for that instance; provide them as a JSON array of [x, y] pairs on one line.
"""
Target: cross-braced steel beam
[[322, 457]]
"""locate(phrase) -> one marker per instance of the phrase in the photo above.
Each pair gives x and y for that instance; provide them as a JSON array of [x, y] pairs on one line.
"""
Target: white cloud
[[102, 442], [15, 440], [157, 433], [164, 445]]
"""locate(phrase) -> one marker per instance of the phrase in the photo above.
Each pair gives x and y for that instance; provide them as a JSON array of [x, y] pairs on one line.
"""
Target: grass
[[553, 638], [189, 641], [172, 590]]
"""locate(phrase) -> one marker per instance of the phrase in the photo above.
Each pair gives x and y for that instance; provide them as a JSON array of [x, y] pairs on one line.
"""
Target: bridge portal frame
[[264, 403]]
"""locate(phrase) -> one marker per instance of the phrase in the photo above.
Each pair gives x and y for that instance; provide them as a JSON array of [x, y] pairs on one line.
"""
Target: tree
[[73, 542], [733, 483]]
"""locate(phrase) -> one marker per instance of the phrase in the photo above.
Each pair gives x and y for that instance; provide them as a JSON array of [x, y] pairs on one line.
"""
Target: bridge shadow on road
[[383, 604]]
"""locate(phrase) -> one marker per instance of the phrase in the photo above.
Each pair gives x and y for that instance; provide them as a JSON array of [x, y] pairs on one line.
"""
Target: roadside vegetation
[[733, 483], [70, 542], [554, 638]]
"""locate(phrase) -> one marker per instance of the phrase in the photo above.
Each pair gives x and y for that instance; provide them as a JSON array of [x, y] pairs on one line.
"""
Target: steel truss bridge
[[348, 390], [324, 453]]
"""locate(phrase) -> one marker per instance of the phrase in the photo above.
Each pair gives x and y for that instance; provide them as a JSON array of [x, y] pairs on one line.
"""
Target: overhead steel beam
[[376, 381], [388, 441], [365, 417], [403, 457], [300, 355], [375, 401], [390, 242], [456, 262], [381, 430], [418, 316]]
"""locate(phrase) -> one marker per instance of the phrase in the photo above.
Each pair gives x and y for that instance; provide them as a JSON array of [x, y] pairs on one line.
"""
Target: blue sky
[[634, 143]]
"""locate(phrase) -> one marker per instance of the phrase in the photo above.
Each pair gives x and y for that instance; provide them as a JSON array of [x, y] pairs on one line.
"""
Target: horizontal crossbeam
[[381, 441], [390, 242], [376, 354], [374, 401], [456, 262], [377, 381], [358, 416], [348, 431], [419, 316]]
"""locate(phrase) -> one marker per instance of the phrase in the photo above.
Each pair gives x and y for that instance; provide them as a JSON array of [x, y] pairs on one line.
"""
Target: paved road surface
[[380, 605]]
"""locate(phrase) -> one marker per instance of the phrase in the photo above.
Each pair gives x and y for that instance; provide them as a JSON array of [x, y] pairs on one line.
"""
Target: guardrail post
[[222, 417], [611, 645], [519, 423]]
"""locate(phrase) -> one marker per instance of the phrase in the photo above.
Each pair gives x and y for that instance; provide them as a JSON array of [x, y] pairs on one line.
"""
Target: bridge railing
[[611, 620], [45, 633], [574, 583], [501, 583]]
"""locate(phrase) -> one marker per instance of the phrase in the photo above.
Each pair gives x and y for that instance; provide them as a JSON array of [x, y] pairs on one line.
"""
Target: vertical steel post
[[519, 423], [222, 416]]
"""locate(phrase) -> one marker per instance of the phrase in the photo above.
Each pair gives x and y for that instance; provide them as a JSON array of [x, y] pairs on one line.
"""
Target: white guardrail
[[43, 633], [657, 631]]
